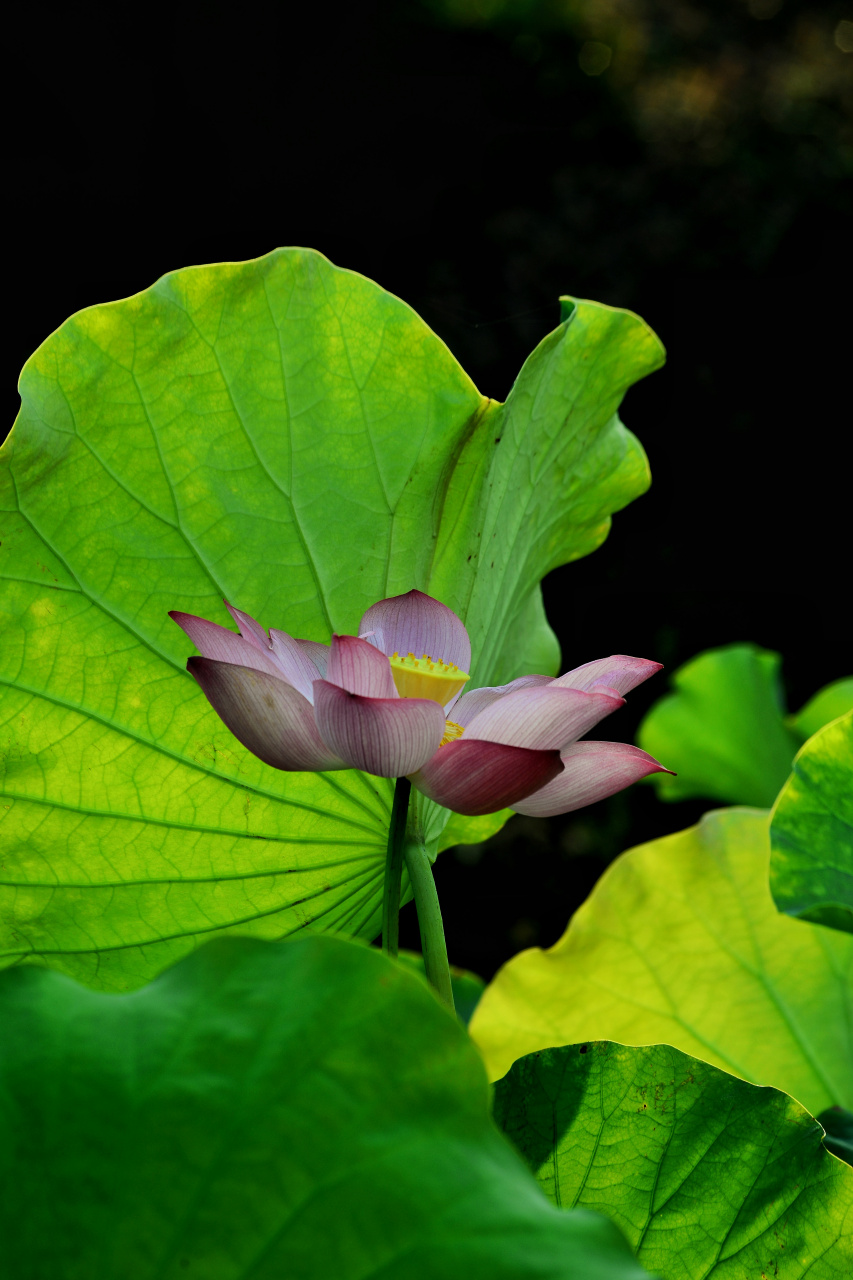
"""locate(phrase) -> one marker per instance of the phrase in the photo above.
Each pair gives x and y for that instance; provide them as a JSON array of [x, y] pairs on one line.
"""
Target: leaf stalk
[[394, 868], [433, 944]]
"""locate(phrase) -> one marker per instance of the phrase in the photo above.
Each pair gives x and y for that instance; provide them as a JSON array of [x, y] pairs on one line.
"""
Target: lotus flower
[[390, 701]]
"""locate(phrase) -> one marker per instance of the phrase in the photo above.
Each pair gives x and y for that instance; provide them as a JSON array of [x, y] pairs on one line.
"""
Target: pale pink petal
[[295, 662], [213, 641], [415, 623], [472, 703], [318, 653], [603, 688], [544, 718], [386, 736], [592, 771], [268, 715], [617, 672], [249, 629], [356, 666], [474, 777]]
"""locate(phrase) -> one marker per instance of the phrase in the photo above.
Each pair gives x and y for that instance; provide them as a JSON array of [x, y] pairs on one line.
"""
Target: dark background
[[478, 158]]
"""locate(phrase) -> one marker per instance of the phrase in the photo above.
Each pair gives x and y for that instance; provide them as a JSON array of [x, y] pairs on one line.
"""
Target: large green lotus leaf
[[290, 436], [722, 729], [811, 831], [705, 1174], [680, 943], [262, 1110]]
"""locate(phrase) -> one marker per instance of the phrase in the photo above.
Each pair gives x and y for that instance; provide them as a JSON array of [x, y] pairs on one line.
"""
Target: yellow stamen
[[452, 731], [426, 677]]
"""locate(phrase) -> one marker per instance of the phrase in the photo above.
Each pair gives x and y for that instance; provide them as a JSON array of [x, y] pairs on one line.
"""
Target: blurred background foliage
[[696, 78], [680, 136], [478, 158]]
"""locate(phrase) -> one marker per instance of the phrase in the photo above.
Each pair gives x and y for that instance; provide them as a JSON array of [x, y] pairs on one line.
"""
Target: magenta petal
[[592, 771], [356, 666], [544, 718], [249, 629], [268, 715], [415, 623], [295, 662], [213, 641], [471, 704], [616, 672], [473, 777], [386, 736]]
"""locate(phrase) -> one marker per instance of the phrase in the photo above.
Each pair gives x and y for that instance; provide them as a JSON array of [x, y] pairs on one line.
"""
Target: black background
[[474, 170]]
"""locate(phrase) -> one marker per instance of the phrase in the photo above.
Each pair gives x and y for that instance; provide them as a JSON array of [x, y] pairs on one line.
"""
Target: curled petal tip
[[620, 672], [592, 771], [213, 641], [250, 630]]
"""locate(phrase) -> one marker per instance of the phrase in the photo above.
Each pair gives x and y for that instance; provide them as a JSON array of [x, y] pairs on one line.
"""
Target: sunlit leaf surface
[[811, 831], [260, 1111], [680, 943], [290, 436], [706, 1175]]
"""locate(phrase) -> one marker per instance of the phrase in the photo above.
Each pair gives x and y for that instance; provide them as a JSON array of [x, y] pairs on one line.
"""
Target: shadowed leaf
[[306, 1110], [706, 1175]]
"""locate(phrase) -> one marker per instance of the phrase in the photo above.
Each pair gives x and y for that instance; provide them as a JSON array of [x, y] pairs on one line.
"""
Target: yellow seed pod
[[426, 677]]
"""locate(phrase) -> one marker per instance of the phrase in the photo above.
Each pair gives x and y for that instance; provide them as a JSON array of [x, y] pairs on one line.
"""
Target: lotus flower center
[[426, 677], [452, 731]]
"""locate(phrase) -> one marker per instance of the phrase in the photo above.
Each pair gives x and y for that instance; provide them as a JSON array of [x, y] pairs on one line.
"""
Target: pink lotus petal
[[386, 736], [249, 629], [213, 641], [544, 718], [617, 672], [472, 703], [318, 653], [415, 623], [592, 771], [295, 662], [603, 688], [359, 668], [268, 715], [475, 777]]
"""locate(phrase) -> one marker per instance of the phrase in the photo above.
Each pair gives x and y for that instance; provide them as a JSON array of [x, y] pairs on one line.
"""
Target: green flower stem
[[394, 868], [433, 945]]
